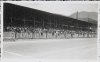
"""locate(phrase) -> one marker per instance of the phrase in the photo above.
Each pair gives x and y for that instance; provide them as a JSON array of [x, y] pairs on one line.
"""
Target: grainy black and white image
[[99, 32], [45, 30], [50, 0], [0, 30]]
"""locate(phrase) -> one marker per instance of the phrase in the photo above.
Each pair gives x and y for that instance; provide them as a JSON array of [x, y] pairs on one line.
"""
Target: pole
[[34, 22], [50, 24], [11, 20], [24, 21], [78, 28], [43, 24]]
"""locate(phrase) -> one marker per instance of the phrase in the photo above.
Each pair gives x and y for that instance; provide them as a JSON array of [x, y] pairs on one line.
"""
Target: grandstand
[[32, 23]]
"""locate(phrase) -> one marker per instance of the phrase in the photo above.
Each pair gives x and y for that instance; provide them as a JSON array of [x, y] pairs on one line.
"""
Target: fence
[[9, 35], [37, 35]]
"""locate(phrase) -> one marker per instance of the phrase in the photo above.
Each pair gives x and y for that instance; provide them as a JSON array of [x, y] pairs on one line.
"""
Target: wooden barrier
[[37, 35], [9, 36]]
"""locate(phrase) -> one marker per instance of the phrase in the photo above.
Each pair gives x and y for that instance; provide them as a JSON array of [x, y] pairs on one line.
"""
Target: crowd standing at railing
[[43, 33]]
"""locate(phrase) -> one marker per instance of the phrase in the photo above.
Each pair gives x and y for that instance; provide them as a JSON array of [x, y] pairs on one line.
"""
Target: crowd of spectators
[[31, 32]]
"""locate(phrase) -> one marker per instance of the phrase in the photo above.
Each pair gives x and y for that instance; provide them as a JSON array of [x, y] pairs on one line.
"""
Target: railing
[[37, 35]]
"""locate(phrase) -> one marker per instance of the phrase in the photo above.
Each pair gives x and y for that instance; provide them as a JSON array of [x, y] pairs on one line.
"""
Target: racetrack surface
[[81, 48]]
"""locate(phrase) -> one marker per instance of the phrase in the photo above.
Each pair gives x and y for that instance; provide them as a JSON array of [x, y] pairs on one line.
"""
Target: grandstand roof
[[19, 14]]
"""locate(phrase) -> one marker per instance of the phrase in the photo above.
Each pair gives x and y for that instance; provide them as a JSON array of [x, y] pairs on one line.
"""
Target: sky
[[62, 8]]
